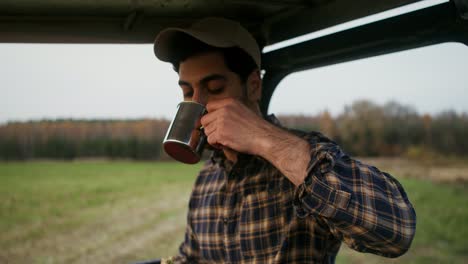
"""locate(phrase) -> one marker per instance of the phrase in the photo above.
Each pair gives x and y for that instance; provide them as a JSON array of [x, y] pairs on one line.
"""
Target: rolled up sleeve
[[366, 208]]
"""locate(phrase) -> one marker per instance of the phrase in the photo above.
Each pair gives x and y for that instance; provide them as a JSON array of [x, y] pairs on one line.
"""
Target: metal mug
[[185, 139]]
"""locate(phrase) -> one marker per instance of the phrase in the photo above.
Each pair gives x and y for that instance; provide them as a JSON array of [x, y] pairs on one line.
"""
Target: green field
[[121, 212]]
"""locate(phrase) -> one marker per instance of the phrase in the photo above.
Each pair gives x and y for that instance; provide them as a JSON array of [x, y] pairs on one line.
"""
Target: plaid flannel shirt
[[250, 213]]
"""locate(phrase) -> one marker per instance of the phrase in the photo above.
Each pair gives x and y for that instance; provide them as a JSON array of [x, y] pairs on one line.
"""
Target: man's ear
[[254, 86]]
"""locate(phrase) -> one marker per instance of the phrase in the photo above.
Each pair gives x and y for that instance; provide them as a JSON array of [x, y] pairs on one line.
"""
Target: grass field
[[121, 212]]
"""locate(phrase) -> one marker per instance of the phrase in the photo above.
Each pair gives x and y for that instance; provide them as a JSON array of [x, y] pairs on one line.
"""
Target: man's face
[[205, 78]]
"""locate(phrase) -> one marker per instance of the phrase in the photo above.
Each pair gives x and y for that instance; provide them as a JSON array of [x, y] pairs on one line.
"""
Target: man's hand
[[232, 125]]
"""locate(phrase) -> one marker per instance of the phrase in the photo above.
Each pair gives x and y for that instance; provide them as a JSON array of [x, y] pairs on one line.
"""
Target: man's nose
[[199, 97]]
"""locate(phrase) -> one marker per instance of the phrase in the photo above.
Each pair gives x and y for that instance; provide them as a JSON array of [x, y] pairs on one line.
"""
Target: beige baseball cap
[[214, 31]]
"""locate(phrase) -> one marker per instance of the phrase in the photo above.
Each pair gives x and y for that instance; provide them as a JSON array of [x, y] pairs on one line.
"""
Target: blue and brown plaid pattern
[[250, 213]]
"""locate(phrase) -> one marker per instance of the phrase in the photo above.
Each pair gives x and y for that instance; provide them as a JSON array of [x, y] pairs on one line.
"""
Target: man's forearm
[[287, 152]]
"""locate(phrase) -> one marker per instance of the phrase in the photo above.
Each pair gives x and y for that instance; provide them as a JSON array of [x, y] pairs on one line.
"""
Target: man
[[268, 194]]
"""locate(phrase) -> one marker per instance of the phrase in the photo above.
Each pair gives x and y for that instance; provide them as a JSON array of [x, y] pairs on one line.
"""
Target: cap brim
[[165, 48]]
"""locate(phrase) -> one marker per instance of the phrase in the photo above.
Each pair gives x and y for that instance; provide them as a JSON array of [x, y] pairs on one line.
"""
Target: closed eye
[[215, 91]]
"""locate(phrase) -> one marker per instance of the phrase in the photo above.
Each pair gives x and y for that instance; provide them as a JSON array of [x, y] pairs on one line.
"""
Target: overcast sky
[[40, 81], [431, 79]]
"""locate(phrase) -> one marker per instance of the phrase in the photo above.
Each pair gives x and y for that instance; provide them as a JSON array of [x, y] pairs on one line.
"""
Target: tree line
[[70, 139], [368, 129], [363, 128]]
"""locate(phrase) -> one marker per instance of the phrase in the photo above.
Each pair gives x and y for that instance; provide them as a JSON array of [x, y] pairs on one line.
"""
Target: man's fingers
[[207, 119], [230, 105], [217, 104], [209, 129], [212, 140], [210, 132]]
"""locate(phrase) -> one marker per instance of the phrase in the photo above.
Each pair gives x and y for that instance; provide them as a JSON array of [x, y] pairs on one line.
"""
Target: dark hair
[[236, 59]]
